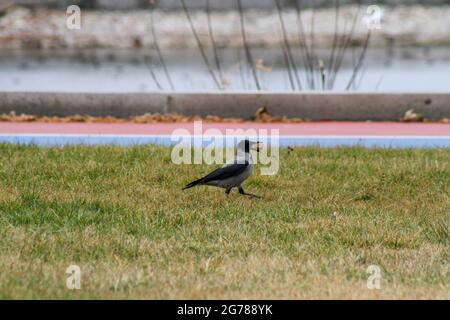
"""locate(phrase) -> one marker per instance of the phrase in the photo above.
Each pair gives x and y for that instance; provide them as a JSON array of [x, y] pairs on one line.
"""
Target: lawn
[[120, 215]]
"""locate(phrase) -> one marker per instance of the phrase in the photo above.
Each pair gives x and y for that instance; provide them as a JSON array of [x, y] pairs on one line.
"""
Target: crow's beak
[[257, 146]]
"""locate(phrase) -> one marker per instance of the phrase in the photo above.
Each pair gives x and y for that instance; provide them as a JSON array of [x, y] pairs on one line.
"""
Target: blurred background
[[224, 45], [200, 4]]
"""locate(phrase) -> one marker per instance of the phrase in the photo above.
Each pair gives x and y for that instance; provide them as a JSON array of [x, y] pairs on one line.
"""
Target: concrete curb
[[307, 105]]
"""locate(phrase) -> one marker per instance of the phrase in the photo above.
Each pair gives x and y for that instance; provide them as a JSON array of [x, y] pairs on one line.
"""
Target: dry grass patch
[[119, 214]]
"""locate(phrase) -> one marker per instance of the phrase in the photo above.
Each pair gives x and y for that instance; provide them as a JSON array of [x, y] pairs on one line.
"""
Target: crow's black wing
[[228, 171], [225, 172]]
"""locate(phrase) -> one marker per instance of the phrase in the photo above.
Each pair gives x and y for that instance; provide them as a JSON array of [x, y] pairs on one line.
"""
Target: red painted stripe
[[307, 128]]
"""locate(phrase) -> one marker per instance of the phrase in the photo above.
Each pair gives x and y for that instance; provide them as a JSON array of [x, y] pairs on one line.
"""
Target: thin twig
[[340, 48], [343, 49], [214, 46], [360, 60], [246, 47], [304, 50], [241, 70], [152, 73], [353, 63], [361, 77], [158, 50], [379, 82], [335, 38], [288, 67], [200, 46], [288, 46], [312, 38]]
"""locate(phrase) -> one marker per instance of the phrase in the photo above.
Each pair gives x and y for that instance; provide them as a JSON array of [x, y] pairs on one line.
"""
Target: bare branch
[[158, 50], [200, 46], [335, 38], [288, 47], [152, 73], [341, 52], [248, 53], [214, 46], [360, 60], [288, 67], [304, 50], [313, 52]]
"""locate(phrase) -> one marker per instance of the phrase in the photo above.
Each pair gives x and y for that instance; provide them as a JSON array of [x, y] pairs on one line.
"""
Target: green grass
[[119, 214]]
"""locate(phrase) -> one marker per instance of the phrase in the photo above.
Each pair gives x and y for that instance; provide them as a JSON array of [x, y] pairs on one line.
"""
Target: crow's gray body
[[238, 173]]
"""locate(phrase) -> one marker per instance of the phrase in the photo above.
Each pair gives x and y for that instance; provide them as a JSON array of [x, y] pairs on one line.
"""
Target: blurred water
[[387, 70]]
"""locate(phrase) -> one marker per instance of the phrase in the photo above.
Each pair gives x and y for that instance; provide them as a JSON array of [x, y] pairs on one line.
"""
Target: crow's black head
[[246, 145]]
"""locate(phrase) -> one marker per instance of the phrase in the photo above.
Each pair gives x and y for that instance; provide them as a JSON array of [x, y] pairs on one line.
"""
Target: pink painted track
[[287, 129]]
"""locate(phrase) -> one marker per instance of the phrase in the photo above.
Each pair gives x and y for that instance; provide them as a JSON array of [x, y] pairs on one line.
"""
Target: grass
[[119, 214]]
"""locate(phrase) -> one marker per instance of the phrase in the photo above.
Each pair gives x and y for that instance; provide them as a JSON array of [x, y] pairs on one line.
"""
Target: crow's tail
[[192, 184]]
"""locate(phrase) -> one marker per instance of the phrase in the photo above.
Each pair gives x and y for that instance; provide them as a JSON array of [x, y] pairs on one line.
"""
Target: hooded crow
[[233, 173]]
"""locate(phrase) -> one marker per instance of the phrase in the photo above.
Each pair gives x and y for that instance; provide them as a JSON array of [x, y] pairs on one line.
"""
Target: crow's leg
[[251, 195], [228, 191]]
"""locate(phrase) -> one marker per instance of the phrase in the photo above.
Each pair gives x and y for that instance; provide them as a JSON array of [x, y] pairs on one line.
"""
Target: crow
[[233, 173]]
